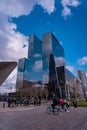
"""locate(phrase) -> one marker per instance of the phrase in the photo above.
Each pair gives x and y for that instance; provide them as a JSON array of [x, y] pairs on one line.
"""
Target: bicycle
[[49, 110]]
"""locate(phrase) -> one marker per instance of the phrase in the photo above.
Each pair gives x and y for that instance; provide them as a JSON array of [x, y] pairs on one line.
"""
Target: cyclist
[[55, 102], [62, 103]]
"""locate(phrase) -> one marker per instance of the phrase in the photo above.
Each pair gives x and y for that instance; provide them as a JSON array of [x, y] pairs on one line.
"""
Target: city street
[[35, 118]]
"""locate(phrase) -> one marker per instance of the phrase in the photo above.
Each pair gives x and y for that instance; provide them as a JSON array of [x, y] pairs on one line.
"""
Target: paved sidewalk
[[6, 108], [35, 118], [6, 104]]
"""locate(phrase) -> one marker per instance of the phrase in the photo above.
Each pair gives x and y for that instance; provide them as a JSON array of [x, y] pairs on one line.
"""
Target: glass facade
[[30, 69], [62, 81], [35, 59], [53, 58], [82, 76], [45, 66], [46, 51], [20, 73], [52, 75]]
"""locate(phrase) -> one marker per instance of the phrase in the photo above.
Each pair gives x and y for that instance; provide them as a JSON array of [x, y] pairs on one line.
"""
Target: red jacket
[[61, 101]]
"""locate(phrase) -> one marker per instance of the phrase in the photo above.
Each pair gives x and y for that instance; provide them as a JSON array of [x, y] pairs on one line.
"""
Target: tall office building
[[35, 58], [82, 76], [30, 69], [53, 65], [45, 68]]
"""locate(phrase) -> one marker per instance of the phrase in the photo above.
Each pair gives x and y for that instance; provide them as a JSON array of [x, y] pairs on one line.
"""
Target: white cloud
[[48, 5], [73, 3], [26, 75], [60, 61], [86, 74], [37, 55], [71, 68], [12, 41], [45, 78], [82, 61], [37, 66], [66, 12], [66, 6], [16, 8]]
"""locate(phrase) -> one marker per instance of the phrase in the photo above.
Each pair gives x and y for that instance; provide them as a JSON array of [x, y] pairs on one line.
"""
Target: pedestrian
[[35, 101], [66, 106], [9, 101], [75, 104], [62, 103], [3, 104], [39, 100]]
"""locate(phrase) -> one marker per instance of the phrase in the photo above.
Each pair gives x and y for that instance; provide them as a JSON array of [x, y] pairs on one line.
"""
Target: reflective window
[[53, 57]]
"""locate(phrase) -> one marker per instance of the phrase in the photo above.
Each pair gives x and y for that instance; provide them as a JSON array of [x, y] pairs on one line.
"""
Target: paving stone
[[35, 118]]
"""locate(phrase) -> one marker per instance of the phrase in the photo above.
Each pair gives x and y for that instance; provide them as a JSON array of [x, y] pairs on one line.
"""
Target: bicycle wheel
[[56, 111], [48, 110]]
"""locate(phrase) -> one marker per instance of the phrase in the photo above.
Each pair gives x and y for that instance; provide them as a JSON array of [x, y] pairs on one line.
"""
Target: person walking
[[75, 104], [66, 106], [62, 103]]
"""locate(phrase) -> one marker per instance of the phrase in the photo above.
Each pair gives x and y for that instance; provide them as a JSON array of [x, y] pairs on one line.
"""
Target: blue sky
[[67, 19]]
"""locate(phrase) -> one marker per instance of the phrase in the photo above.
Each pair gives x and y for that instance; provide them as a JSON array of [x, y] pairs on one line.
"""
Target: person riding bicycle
[[55, 102]]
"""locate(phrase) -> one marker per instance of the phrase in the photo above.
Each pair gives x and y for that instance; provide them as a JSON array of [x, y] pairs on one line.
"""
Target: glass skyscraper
[[35, 58], [45, 68], [30, 69], [53, 65]]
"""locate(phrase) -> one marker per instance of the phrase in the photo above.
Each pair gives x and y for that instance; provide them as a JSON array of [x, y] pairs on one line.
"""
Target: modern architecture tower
[[53, 65], [44, 69], [35, 58], [30, 69]]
